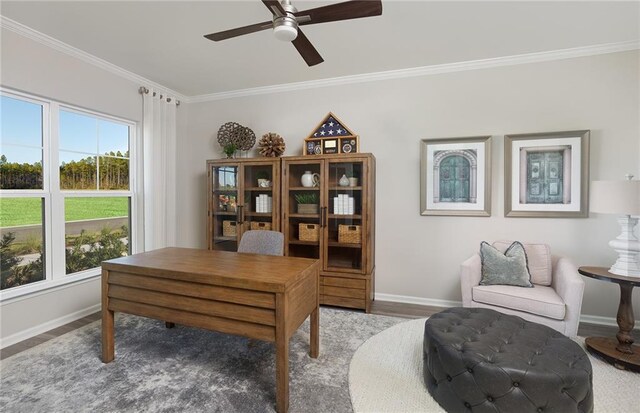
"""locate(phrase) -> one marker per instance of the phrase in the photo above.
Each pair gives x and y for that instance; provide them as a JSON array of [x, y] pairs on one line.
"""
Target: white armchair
[[555, 300]]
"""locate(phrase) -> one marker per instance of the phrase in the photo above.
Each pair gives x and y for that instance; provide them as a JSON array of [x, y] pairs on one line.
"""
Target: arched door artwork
[[455, 181]]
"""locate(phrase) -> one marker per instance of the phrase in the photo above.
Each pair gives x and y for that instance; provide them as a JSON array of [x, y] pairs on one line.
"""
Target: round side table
[[621, 351]]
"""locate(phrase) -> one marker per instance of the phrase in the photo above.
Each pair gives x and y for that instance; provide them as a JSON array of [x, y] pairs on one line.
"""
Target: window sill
[[35, 289]]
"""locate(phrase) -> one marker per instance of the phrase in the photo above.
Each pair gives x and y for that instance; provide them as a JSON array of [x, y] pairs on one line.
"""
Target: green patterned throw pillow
[[509, 268]]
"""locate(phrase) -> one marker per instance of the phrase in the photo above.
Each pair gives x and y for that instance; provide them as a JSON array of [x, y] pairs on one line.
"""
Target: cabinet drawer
[[342, 301], [343, 282], [342, 292]]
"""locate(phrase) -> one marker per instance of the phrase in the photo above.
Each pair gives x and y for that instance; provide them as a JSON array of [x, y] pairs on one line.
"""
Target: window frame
[[54, 197]]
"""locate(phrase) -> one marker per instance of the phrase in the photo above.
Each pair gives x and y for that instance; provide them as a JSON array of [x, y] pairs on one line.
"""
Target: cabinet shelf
[[304, 215], [225, 190], [298, 242], [304, 188], [344, 216], [258, 214], [344, 245], [259, 189], [218, 238], [345, 188], [225, 213]]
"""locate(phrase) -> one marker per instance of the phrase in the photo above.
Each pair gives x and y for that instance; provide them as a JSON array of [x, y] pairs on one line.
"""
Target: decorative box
[[309, 232], [229, 229], [266, 226], [307, 208], [349, 234]]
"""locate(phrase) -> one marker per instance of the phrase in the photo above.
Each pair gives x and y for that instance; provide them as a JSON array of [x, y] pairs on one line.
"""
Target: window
[[66, 197]]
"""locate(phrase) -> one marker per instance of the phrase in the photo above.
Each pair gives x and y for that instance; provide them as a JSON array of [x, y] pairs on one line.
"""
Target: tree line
[[82, 174]]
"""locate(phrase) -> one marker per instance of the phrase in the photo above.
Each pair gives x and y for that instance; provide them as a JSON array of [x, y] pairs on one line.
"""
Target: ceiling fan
[[286, 19]]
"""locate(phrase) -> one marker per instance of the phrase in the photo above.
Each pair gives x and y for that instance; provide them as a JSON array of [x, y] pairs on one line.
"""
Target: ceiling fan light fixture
[[285, 29]]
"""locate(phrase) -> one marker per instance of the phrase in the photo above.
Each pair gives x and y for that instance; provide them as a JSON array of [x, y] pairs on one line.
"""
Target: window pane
[[78, 132], [96, 229], [21, 122], [21, 241], [20, 167], [114, 173], [77, 171], [113, 139]]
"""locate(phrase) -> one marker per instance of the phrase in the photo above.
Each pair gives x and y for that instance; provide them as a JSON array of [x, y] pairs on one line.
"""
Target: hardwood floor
[[378, 307]]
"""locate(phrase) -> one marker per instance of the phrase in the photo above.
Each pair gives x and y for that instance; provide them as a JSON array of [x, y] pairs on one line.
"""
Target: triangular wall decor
[[331, 136]]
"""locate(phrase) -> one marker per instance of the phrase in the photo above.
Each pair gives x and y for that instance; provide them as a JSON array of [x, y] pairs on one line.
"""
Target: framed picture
[[455, 176], [547, 175], [329, 146]]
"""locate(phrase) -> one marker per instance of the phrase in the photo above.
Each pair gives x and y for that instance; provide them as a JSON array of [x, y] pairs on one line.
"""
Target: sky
[[80, 135]]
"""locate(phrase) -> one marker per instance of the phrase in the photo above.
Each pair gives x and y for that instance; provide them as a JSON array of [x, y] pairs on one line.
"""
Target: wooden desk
[[621, 351], [256, 296]]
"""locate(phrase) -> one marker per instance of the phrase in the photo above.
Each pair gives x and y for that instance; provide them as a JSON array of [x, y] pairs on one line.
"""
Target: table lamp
[[621, 198]]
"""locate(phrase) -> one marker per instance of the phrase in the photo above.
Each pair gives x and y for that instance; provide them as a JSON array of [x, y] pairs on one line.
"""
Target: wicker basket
[[349, 234], [229, 229], [308, 232], [266, 226]]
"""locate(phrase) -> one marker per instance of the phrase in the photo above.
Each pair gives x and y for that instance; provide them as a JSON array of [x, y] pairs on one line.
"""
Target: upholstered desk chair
[[555, 299], [262, 242]]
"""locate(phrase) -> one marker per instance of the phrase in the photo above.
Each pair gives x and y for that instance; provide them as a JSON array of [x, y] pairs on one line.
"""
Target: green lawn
[[28, 211]]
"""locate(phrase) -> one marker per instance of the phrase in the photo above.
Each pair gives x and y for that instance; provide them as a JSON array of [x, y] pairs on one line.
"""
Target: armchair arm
[[470, 275], [570, 286]]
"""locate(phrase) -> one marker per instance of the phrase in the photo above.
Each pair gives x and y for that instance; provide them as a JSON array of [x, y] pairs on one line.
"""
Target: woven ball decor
[[271, 144]]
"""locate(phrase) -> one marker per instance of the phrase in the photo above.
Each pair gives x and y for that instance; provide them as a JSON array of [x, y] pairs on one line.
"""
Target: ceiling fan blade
[[306, 50], [274, 7], [239, 31], [342, 11]]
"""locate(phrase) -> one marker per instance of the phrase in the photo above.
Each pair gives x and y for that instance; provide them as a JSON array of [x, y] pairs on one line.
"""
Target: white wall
[[32, 67], [419, 256]]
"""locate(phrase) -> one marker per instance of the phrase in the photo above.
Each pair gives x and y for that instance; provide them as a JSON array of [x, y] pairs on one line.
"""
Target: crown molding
[[55, 44], [427, 70]]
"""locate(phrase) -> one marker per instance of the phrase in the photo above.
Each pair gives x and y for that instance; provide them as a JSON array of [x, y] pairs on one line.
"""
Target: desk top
[[602, 273], [229, 269]]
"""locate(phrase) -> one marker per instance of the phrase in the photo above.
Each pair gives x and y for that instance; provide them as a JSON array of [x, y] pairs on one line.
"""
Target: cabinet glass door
[[225, 211], [302, 203], [345, 222], [259, 199]]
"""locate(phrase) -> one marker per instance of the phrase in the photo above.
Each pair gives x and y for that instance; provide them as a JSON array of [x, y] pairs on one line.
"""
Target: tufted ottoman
[[480, 360]]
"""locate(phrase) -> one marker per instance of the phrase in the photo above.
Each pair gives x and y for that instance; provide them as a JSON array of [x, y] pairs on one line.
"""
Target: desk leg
[[282, 357], [625, 320], [108, 352], [315, 334]]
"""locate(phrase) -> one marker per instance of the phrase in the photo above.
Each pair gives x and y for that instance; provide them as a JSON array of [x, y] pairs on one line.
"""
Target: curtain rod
[[146, 91]]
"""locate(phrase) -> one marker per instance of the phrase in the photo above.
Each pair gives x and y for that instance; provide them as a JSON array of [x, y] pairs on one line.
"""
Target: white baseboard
[[585, 318], [417, 300], [596, 319], [49, 325]]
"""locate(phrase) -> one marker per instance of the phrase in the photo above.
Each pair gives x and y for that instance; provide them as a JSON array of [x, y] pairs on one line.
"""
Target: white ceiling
[[163, 41]]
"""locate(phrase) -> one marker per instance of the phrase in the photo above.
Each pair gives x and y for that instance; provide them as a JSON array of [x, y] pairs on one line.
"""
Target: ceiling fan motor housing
[[285, 27]]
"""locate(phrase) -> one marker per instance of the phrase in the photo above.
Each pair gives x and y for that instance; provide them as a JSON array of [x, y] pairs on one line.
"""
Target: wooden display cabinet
[[345, 241], [236, 199]]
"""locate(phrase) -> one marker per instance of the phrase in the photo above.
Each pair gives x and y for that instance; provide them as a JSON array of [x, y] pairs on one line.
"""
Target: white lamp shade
[[615, 197]]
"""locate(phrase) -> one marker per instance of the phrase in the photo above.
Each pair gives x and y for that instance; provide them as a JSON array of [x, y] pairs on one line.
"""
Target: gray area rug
[[184, 369]]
